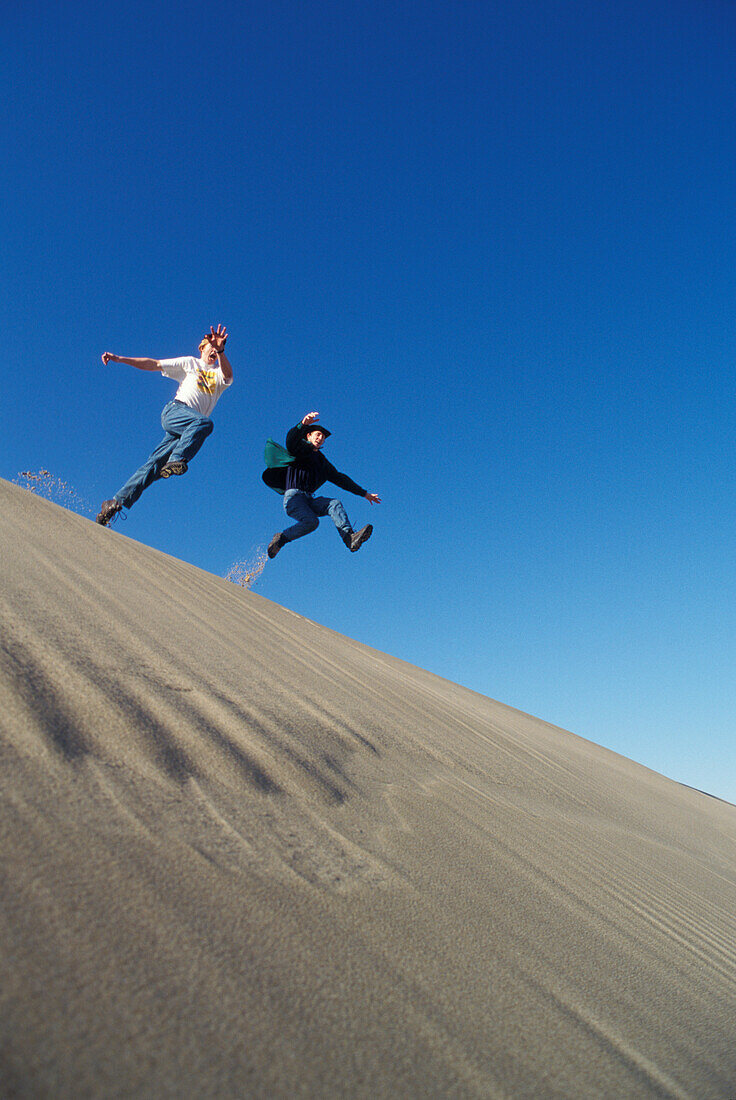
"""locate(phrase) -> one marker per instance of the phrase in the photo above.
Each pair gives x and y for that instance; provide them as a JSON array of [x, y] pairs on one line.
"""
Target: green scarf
[[276, 455]]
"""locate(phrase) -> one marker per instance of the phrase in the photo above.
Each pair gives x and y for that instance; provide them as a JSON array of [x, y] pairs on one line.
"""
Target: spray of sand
[[246, 572], [45, 484]]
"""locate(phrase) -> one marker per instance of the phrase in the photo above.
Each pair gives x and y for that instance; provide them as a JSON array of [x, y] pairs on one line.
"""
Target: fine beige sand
[[244, 856]]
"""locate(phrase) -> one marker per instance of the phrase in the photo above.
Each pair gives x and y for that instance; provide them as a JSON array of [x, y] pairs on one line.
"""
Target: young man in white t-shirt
[[186, 419]]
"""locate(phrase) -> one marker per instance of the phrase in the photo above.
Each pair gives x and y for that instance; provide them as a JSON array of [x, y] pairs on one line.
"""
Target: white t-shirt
[[200, 385]]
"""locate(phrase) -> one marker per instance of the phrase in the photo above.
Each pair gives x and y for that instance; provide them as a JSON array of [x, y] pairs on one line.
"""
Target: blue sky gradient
[[493, 244]]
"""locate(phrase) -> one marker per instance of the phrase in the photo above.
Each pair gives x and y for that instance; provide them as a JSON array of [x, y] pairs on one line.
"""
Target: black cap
[[317, 428]]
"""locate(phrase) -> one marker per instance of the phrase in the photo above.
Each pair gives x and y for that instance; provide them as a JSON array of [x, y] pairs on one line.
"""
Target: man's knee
[[305, 517], [206, 426], [310, 522]]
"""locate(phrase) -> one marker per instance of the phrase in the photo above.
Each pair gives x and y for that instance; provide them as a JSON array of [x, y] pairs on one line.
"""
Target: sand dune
[[245, 856]]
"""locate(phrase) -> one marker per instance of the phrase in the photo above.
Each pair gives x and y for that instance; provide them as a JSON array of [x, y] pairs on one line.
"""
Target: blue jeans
[[186, 431], [306, 510]]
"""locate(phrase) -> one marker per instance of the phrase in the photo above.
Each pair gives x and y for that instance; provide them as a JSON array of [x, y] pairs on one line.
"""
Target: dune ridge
[[243, 855]]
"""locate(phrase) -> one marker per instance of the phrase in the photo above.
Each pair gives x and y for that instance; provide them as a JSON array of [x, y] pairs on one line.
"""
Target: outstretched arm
[[345, 482], [141, 364]]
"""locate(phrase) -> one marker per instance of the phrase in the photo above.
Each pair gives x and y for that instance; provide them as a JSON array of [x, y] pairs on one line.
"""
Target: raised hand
[[310, 418], [217, 338], [107, 356]]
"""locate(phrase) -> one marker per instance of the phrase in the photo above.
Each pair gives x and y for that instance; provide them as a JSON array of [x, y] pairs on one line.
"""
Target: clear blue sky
[[492, 243]]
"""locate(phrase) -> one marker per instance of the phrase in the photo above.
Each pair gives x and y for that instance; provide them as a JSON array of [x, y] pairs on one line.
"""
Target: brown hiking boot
[[172, 469], [108, 511], [275, 545], [359, 537]]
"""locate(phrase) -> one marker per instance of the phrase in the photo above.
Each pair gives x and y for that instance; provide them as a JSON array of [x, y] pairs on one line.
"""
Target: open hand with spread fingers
[[217, 338]]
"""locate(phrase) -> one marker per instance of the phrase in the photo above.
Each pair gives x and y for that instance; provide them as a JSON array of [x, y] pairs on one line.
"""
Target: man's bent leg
[[298, 506], [191, 428], [334, 508]]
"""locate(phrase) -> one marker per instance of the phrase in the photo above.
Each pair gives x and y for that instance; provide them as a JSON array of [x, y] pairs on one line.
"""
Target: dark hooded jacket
[[309, 469]]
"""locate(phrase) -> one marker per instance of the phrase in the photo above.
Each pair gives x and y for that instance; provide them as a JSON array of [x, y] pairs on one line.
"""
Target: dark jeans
[[306, 510], [186, 431]]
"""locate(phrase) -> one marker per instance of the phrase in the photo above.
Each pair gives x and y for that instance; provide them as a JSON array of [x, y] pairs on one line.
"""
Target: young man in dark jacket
[[302, 477]]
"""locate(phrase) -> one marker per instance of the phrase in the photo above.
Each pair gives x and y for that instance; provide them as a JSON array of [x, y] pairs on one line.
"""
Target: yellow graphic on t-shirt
[[207, 380]]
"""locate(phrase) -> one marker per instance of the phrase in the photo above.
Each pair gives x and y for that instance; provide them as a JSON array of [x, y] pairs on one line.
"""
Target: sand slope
[[242, 855]]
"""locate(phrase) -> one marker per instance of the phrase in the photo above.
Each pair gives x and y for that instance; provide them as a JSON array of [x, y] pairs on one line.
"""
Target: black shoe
[[359, 537], [275, 545], [174, 469], [108, 511]]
